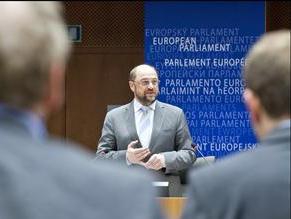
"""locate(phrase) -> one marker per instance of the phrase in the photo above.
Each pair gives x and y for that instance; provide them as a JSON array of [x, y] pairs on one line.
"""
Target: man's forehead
[[146, 74]]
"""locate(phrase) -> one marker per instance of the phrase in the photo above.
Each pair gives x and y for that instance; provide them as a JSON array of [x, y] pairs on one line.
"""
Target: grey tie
[[144, 127]]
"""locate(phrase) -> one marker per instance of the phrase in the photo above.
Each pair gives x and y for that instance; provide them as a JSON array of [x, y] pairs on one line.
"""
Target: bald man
[[147, 132]]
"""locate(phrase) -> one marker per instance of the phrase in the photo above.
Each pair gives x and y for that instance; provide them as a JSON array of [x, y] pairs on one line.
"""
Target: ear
[[131, 85], [253, 104]]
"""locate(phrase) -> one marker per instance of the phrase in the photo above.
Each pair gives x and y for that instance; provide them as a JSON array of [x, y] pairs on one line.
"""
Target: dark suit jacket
[[170, 135], [250, 185], [50, 179]]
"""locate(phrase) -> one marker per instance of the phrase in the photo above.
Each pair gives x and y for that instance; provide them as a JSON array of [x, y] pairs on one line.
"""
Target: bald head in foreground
[[41, 177], [254, 184]]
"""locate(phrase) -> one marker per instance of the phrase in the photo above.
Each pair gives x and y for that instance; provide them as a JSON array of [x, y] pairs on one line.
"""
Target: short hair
[[33, 38], [267, 72], [140, 68]]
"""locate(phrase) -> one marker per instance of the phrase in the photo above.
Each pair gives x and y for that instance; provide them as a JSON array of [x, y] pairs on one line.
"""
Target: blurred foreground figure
[[254, 184], [40, 177]]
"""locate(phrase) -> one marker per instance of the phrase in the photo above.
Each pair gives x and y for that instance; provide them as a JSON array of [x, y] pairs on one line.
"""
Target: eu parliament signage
[[199, 49]]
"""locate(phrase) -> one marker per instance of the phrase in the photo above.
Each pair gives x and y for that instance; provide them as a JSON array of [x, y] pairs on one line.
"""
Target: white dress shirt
[[138, 114]]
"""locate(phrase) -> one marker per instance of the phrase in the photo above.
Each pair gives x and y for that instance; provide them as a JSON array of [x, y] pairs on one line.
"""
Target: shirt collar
[[32, 122], [137, 105], [284, 124]]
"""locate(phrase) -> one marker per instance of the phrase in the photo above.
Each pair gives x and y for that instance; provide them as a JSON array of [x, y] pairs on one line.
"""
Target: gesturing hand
[[156, 162], [136, 155]]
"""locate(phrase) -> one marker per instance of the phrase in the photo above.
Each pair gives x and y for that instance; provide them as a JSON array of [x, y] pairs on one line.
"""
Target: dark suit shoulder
[[244, 167], [108, 169], [60, 172]]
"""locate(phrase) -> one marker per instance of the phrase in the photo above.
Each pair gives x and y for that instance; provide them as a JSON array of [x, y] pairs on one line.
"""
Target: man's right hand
[[136, 155]]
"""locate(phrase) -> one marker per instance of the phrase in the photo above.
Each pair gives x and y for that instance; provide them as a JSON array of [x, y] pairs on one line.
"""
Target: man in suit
[[41, 177], [164, 143], [254, 184]]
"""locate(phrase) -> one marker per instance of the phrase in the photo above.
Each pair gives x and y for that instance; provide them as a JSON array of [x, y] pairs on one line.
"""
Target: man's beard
[[145, 100]]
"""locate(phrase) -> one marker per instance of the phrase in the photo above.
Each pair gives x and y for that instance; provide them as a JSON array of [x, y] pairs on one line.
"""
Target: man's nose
[[150, 85]]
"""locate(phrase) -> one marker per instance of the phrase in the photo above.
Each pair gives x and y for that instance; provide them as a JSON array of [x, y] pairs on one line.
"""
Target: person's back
[[247, 185], [53, 180], [41, 177], [256, 183]]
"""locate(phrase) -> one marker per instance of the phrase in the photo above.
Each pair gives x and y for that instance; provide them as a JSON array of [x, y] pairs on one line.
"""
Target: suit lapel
[[130, 122], [157, 123]]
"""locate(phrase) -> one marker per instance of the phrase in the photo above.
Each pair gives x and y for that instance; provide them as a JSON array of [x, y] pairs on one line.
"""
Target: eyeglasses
[[146, 83]]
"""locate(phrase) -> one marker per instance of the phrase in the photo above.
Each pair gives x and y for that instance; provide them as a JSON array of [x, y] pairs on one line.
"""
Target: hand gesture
[[156, 162], [136, 155]]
